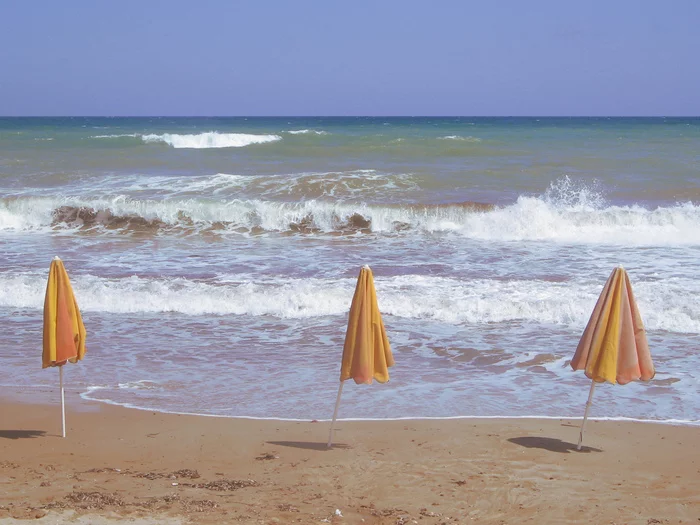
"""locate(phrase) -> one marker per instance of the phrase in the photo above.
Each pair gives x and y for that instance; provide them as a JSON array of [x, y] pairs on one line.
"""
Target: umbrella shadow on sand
[[551, 444], [308, 445], [21, 434]]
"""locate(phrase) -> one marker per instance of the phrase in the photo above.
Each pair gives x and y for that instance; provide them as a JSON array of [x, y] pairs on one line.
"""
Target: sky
[[336, 57]]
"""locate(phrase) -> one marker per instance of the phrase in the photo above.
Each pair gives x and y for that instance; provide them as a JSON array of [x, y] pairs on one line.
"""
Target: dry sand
[[146, 468]]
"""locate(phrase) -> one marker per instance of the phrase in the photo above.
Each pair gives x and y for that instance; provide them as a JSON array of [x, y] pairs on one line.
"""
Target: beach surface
[[143, 467]]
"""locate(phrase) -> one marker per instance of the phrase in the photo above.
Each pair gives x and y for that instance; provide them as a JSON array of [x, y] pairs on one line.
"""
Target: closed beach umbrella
[[366, 353], [64, 332], [614, 345]]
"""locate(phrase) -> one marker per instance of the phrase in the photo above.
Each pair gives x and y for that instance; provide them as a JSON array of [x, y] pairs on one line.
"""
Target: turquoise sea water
[[214, 259]]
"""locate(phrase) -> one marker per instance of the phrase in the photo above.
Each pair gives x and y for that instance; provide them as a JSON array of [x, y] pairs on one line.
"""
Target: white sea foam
[[669, 305], [211, 139], [307, 131], [534, 219]]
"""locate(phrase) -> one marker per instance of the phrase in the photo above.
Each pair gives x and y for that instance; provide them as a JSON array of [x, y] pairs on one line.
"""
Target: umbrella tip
[[366, 267], [56, 258]]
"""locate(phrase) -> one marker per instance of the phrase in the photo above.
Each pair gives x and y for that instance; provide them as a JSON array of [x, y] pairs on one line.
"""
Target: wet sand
[[145, 467]]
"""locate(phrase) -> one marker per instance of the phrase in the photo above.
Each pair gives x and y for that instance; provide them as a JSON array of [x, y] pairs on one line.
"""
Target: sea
[[214, 260]]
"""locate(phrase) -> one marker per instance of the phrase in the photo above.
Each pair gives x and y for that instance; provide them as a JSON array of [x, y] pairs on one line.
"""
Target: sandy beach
[[147, 467]]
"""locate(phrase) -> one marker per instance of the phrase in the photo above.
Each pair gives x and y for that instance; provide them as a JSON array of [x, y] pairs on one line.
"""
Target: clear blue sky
[[334, 57]]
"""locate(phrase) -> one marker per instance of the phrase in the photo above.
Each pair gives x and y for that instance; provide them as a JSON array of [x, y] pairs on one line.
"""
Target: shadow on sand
[[307, 445], [551, 444], [21, 434]]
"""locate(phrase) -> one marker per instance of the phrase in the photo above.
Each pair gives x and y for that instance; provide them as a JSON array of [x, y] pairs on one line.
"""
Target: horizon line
[[348, 116]]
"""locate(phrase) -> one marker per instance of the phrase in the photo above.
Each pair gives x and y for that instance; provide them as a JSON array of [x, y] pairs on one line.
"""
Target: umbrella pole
[[335, 414], [63, 403], [585, 414]]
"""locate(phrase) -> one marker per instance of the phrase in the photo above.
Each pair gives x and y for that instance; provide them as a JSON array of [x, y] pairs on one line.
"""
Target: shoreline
[[86, 400], [131, 465]]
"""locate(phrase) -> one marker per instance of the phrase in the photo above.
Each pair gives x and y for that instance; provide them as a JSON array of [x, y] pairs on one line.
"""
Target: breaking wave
[[211, 139], [550, 218]]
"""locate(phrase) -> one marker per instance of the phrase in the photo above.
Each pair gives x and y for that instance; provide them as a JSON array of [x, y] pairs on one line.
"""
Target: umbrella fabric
[[64, 332], [614, 345], [366, 353]]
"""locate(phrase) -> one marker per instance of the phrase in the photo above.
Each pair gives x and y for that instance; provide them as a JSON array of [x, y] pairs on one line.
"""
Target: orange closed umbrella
[[64, 332], [614, 344], [366, 353]]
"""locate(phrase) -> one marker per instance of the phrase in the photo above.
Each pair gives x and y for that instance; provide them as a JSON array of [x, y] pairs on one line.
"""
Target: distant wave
[[458, 137], [211, 139], [552, 218], [118, 136], [307, 131], [667, 305]]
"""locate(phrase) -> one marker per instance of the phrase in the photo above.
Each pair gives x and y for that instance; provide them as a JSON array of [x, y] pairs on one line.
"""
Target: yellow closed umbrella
[[366, 353], [64, 332], [614, 345]]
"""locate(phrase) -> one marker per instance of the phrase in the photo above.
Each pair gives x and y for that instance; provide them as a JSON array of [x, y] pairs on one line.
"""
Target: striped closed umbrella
[[614, 345]]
